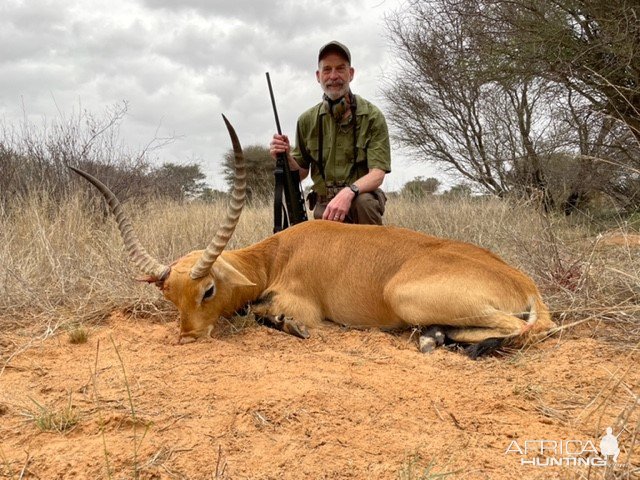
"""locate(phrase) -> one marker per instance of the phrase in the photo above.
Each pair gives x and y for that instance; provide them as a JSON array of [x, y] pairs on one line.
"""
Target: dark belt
[[332, 191]]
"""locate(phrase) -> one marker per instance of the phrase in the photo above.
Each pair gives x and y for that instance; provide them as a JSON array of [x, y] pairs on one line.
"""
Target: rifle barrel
[[293, 211], [273, 104]]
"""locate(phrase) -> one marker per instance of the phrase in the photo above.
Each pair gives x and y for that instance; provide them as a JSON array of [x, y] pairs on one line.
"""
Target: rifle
[[292, 210]]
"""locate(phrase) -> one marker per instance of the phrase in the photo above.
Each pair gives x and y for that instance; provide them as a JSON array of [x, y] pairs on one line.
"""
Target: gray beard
[[334, 96], [337, 95]]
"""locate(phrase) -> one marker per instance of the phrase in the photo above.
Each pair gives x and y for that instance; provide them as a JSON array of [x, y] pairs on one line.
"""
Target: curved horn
[[145, 262], [222, 236]]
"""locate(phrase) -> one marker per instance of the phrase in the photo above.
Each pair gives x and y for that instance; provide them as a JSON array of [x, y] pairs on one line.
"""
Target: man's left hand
[[338, 208]]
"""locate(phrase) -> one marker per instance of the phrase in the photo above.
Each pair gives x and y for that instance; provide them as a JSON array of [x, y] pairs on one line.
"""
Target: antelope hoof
[[183, 340], [284, 324], [430, 338], [292, 328], [427, 344], [483, 348]]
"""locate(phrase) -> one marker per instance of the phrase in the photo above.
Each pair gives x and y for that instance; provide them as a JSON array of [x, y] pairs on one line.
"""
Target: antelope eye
[[209, 292]]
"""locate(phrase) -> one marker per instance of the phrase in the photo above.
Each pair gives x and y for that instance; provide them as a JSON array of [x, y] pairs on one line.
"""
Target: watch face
[[354, 189]]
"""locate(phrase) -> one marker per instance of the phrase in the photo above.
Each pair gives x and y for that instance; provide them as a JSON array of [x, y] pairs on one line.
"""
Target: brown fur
[[363, 276]]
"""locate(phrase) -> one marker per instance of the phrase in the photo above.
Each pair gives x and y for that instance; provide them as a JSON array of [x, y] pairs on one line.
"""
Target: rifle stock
[[293, 209]]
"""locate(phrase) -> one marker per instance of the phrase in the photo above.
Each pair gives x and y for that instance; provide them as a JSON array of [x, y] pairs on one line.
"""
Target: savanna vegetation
[[524, 97], [63, 274], [532, 104]]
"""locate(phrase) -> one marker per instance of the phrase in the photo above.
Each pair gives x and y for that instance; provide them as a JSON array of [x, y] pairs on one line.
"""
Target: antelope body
[[356, 275]]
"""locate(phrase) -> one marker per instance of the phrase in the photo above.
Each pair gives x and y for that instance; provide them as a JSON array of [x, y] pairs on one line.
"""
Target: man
[[344, 142]]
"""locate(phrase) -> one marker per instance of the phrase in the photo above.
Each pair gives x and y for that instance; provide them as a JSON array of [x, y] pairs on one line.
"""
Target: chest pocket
[[360, 152]]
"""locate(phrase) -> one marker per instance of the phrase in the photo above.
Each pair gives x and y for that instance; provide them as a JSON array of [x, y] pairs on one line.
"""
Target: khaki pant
[[366, 209]]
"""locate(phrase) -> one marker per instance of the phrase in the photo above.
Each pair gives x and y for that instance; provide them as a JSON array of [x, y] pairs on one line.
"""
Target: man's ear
[[226, 273]]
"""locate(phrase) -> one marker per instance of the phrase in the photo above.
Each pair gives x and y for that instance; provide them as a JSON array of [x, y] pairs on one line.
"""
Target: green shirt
[[340, 167]]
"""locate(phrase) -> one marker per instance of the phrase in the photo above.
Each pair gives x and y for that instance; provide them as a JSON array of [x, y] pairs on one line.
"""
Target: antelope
[[355, 275]]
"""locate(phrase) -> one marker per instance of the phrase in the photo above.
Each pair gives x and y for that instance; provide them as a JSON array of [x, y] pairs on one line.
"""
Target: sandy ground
[[260, 404]]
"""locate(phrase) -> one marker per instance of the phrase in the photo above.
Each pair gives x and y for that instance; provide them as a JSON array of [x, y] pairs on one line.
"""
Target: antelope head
[[201, 283]]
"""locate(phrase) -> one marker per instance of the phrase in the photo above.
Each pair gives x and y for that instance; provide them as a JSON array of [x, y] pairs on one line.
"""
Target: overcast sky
[[180, 64]]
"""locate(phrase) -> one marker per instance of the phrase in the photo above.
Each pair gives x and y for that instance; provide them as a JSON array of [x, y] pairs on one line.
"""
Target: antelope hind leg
[[479, 341], [492, 333], [474, 334]]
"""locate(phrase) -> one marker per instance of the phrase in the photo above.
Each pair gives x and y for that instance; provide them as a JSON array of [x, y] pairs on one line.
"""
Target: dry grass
[[62, 263], [414, 469], [78, 334]]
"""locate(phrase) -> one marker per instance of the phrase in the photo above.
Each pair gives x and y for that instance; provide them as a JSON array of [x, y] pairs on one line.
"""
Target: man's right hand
[[279, 144]]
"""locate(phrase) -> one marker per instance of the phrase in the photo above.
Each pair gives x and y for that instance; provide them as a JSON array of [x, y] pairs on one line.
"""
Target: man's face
[[334, 75]]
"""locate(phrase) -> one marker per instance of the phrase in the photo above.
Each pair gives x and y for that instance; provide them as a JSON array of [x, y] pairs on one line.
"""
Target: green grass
[[52, 419]]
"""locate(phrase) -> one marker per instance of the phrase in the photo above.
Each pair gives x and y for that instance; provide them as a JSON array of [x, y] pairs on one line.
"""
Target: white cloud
[[179, 65]]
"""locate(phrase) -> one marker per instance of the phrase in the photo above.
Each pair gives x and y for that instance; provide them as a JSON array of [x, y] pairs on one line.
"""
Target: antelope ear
[[151, 279], [227, 274]]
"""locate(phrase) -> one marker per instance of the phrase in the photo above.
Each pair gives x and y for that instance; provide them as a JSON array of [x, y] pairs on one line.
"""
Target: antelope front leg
[[279, 322], [284, 324]]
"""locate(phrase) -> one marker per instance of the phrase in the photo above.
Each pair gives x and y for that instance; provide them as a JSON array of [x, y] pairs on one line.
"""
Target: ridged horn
[[145, 262], [222, 236]]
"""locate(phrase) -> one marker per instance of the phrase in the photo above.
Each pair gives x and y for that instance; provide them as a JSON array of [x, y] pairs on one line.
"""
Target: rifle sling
[[280, 217]]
